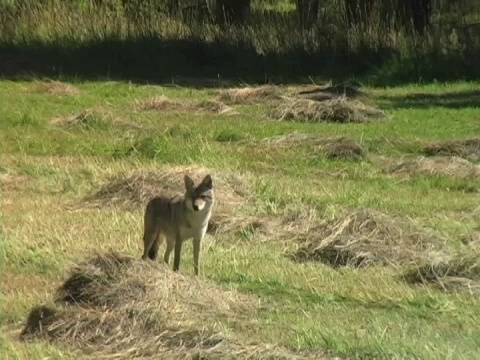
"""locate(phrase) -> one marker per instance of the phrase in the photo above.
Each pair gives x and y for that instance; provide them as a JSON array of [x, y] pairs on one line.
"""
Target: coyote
[[178, 219]]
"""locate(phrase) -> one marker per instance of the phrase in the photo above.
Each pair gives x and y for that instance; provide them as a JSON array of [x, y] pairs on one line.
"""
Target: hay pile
[[345, 148], [338, 110], [91, 119], [114, 306], [55, 88], [165, 104], [250, 95], [231, 190], [364, 238], [334, 148], [440, 165], [456, 273], [468, 149], [327, 92]]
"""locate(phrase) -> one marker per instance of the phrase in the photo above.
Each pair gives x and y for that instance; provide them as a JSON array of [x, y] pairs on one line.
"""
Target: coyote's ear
[[189, 184], [207, 182]]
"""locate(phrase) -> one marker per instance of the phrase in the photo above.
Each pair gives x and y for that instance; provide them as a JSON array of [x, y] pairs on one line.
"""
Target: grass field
[[62, 143]]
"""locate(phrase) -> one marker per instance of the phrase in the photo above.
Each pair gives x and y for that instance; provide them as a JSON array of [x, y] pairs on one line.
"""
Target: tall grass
[[107, 37]]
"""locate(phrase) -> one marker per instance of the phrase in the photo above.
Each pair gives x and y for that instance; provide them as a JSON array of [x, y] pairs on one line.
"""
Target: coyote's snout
[[178, 219]]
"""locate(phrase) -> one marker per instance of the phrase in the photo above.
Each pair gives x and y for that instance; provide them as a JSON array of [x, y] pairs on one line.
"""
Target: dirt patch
[[55, 88], [468, 149], [367, 237], [457, 273], [117, 306], [91, 119], [250, 95], [165, 104], [337, 110], [440, 165]]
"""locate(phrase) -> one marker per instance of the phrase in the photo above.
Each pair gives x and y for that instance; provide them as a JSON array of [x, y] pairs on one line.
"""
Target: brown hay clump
[[213, 107], [440, 165], [456, 273], [163, 103], [231, 191], [55, 88], [364, 238], [118, 306], [159, 103], [327, 92], [339, 110], [345, 148], [250, 95], [468, 149], [90, 119], [335, 148]]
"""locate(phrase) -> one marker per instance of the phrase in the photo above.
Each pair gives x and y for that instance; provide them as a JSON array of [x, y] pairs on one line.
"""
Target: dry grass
[[472, 239], [91, 119], [327, 92], [468, 148], [231, 190], [158, 103], [55, 88], [334, 148], [442, 165], [12, 182], [213, 107], [295, 139], [250, 95], [165, 104], [455, 273], [117, 306], [114, 306], [367, 237], [339, 110], [345, 148]]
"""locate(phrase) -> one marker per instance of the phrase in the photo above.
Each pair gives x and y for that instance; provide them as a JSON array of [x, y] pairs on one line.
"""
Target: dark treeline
[[381, 41]]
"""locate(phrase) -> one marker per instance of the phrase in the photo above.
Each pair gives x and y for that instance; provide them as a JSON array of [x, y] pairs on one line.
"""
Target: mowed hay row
[[337, 110], [467, 148], [165, 104], [325, 92], [455, 273], [250, 95], [117, 306], [134, 191], [91, 119], [452, 166], [54, 88], [114, 306], [335, 148], [366, 237]]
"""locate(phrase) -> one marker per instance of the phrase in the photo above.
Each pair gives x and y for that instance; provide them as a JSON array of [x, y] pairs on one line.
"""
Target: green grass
[[361, 314]]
